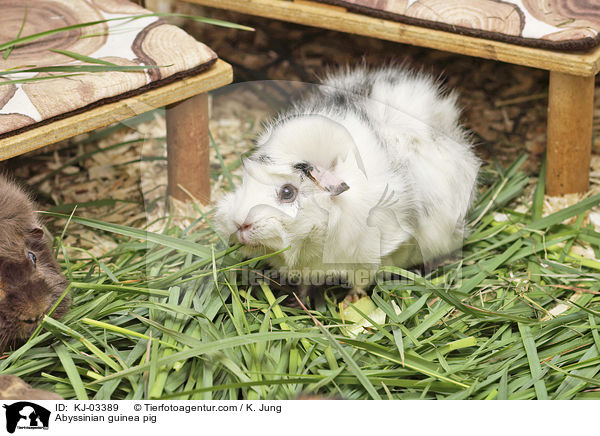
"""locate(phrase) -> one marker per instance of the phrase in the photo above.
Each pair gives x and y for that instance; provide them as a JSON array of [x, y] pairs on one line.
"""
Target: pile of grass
[[164, 316]]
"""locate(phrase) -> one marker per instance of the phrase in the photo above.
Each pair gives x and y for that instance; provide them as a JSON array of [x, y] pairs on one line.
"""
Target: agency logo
[[26, 415]]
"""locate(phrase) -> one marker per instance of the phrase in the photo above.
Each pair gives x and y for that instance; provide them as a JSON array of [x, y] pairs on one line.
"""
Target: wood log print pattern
[[144, 41], [119, 7], [553, 24], [45, 15], [154, 46], [64, 94], [475, 14]]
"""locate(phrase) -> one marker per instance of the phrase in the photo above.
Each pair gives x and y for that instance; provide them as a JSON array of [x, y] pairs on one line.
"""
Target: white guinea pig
[[372, 169]]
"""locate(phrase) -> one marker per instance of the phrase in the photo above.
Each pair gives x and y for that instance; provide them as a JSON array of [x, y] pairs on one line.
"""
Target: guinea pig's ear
[[323, 178], [37, 232]]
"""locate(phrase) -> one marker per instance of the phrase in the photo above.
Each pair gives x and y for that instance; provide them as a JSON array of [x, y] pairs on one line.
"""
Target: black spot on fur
[[262, 158], [342, 187], [304, 167]]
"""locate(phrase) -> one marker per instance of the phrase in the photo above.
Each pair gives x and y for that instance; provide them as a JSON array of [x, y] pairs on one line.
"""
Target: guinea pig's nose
[[242, 232], [245, 226]]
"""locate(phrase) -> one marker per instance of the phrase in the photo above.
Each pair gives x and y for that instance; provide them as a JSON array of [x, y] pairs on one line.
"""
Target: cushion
[[128, 42], [551, 24]]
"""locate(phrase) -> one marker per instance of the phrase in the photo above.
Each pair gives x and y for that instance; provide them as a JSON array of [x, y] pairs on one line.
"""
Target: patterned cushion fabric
[[146, 40], [553, 24]]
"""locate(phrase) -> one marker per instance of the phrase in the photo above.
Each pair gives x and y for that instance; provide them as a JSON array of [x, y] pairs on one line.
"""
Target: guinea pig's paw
[[355, 294]]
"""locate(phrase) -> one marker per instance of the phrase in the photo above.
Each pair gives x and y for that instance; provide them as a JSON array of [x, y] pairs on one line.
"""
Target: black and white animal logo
[[26, 415]]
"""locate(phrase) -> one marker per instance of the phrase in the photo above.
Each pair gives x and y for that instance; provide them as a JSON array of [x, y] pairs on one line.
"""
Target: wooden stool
[[35, 114], [571, 90]]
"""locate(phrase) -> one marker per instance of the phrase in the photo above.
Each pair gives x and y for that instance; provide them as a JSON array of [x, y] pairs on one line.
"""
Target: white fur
[[394, 137]]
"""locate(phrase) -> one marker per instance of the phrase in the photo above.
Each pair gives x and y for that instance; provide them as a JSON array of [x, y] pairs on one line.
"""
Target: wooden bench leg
[[188, 148], [570, 113]]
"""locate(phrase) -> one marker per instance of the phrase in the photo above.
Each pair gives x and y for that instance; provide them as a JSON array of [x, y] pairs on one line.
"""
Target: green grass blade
[[69, 366], [534, 361], [167, 241], [9, 50]]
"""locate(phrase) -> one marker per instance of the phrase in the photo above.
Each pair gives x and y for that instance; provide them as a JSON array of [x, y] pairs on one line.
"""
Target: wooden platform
[[218, 75], [187, 128], [337, 18], [571, 89]]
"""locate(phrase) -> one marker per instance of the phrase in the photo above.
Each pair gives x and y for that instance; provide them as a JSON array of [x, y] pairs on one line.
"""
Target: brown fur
[[13, 388], [27, 291]]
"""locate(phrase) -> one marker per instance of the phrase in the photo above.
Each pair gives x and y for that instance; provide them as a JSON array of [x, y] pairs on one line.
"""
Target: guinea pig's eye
[[288, 193], [32, 257]]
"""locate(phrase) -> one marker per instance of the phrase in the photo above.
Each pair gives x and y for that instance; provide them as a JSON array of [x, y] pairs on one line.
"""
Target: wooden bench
[[571, 88], [183, 71], [187, 128]]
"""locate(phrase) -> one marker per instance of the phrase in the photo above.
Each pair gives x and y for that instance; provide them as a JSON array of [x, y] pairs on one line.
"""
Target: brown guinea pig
[[30, 278]]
